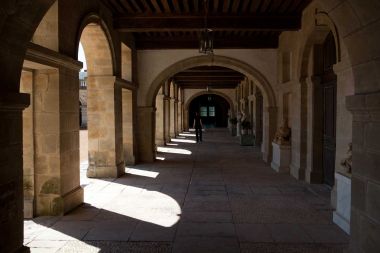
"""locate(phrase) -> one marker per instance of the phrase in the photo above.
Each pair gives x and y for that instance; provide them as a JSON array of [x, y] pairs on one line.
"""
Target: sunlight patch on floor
[[143, 173], [174, 150], [187, 135], [183, 140], [149, 206]]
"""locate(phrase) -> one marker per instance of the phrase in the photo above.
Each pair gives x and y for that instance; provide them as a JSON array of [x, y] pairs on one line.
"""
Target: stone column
[[145, 133], [167, 118], [269, 130], [105, 144], [258, 115], [11, 179], [26, 86], [299, 131], [365, 208], [128, 130], [186, 120], [173, 117], [160, 119], [180, 116], [314, 166], [176, 116], [56, 111]]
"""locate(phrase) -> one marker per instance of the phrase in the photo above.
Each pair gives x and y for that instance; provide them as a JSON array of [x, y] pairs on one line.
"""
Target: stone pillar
[[180, 117], [167, 118], [299, 131], [11, 179], [270, 127], [186, 119], [176, 117], [145, 133], [365, 208], [128, 130], [160, 119], [105, 144], [56, 110], [26, 86], [314, 166], [173, 117], [258, 117]]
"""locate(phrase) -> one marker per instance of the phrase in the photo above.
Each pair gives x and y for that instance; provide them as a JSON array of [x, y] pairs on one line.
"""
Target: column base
[[314, 177], [130, 160], [55, 205], [160, 142], [28, 208], [266, 157], [297, 172], [106, 171], [342, 214], [23, 249], [341, 222], [281, 158], [73, 199]]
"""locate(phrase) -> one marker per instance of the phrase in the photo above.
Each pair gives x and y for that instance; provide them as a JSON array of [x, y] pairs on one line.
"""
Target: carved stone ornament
[[282, 136], [347, 162]]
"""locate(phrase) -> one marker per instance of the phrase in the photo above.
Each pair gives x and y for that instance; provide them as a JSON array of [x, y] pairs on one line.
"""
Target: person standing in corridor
[[198, 127]]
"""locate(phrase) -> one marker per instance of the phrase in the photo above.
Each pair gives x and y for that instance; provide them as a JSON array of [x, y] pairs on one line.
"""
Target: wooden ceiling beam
[[193, 42], [219, 86], [196, 22], [208, 74]]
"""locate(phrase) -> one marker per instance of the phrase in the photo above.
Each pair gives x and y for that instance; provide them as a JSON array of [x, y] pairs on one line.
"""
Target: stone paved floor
[[211, 197]]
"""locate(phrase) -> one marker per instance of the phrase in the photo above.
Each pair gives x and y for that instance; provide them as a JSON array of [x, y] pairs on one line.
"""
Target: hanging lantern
[[206, 43]]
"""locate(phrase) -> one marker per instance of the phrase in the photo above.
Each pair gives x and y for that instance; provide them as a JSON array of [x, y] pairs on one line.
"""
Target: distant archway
[[215, 60], [213, 110]]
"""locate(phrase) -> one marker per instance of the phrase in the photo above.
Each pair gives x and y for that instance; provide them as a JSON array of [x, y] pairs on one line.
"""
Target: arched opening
[[213, 110], [103, 99], [326, 102], [268, 95]]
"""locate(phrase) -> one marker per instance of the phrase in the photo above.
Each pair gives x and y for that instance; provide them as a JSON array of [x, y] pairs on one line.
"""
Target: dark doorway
[[328, 85], [213, 110]]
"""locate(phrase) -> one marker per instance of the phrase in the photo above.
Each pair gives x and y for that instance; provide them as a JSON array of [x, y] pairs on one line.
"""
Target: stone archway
[[103, 101], [214, 60], [187, 103], [146, 114], [198, 94]]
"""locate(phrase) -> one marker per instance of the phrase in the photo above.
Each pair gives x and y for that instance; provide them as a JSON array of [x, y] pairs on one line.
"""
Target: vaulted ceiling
[[175, 24]]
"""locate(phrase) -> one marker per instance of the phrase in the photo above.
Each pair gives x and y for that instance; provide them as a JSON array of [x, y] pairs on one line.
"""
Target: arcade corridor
[[216, 196]]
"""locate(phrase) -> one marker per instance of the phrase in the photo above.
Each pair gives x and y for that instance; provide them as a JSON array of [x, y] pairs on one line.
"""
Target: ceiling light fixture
[[206, 42]]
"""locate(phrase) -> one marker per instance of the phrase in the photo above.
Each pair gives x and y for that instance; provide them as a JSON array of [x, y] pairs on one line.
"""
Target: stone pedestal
[[281, 157], [238, 129], [233, 130], [247, 140], [342, 214]]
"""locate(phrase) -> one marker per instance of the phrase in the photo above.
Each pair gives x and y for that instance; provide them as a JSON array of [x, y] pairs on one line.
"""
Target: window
[[211, 111], [203, 111]]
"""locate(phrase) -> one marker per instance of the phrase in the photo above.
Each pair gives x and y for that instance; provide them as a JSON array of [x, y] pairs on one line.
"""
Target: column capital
[[14, 101]]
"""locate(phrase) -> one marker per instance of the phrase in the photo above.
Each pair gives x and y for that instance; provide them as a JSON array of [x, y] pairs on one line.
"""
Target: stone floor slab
[[220, 198]]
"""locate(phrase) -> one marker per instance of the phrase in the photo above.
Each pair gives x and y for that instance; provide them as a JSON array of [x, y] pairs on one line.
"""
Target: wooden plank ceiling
[[176, 24], [208, 76]]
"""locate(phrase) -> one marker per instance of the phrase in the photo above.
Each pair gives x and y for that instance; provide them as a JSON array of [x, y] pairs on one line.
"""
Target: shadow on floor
[[220, 198]]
